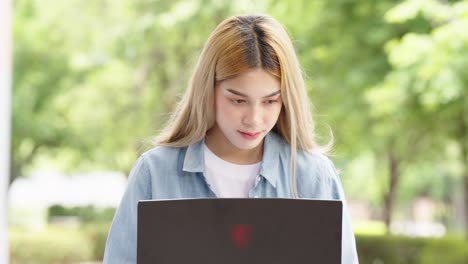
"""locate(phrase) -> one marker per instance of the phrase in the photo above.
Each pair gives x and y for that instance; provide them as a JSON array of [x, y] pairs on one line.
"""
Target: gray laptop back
[[214, 231]]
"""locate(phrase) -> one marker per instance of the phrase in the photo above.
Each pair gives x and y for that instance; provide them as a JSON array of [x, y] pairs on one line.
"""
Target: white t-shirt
[[228, 180]]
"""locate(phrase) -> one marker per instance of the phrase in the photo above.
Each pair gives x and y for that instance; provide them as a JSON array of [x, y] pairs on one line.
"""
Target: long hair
[[239, 44]]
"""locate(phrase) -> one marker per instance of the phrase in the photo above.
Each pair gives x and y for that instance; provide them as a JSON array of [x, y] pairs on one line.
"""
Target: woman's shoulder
[[163, 153], [317, 176], [158, 160], [315, 162], [160, 157], [155, 157]]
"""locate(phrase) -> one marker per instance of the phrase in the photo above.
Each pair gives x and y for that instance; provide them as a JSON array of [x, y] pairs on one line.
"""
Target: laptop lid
[[261, 230]]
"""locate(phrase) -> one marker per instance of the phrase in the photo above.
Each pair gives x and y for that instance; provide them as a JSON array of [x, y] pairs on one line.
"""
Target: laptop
[[225, 231]]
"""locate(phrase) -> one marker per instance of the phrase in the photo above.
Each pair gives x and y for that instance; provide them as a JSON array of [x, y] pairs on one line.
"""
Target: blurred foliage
[[96, 232], [94, 80], [53, 245], [83, 213], [406, 250], [369, 228]]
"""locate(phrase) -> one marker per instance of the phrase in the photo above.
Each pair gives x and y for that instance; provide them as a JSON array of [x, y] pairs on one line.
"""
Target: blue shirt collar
[[195, 162], [194, 158]]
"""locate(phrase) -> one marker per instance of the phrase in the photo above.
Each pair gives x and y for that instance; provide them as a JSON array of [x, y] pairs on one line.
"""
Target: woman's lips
[[250, 136]]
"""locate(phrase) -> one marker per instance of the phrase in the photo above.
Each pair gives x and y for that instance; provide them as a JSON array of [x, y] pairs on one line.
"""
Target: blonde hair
[[239, 44]]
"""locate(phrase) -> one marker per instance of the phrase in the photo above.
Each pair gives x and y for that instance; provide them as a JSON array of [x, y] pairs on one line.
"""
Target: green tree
[[428, 82]]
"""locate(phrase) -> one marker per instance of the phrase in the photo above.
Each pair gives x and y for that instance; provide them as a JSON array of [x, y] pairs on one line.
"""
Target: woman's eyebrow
[[246, 96]]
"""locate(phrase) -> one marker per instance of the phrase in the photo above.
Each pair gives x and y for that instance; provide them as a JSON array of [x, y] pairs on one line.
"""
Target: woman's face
[[247, 108]]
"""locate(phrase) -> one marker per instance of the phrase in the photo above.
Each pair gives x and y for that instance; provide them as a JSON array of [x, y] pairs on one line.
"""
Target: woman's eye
[[271, 101], [238, 101]]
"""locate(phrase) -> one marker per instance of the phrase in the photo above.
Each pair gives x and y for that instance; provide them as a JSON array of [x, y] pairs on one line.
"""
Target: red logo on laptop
[[241, 235]]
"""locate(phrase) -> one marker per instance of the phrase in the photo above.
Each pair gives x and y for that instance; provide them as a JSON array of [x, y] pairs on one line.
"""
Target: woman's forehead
[[253, 83]]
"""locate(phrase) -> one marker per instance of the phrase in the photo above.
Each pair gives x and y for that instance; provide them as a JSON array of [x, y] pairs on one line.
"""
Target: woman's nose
[[253, 116]]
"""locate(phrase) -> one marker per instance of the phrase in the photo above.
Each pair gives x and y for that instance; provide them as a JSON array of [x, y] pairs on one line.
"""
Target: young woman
[[243, 129]]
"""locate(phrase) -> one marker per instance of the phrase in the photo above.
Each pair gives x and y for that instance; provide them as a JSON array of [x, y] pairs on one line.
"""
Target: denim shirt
[[174, 173]]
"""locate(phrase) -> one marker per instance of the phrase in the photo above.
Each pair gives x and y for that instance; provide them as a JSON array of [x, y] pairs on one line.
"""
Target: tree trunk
[[17, 165], [463, 141], [465, 184], [14, 169], [394, 171]]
